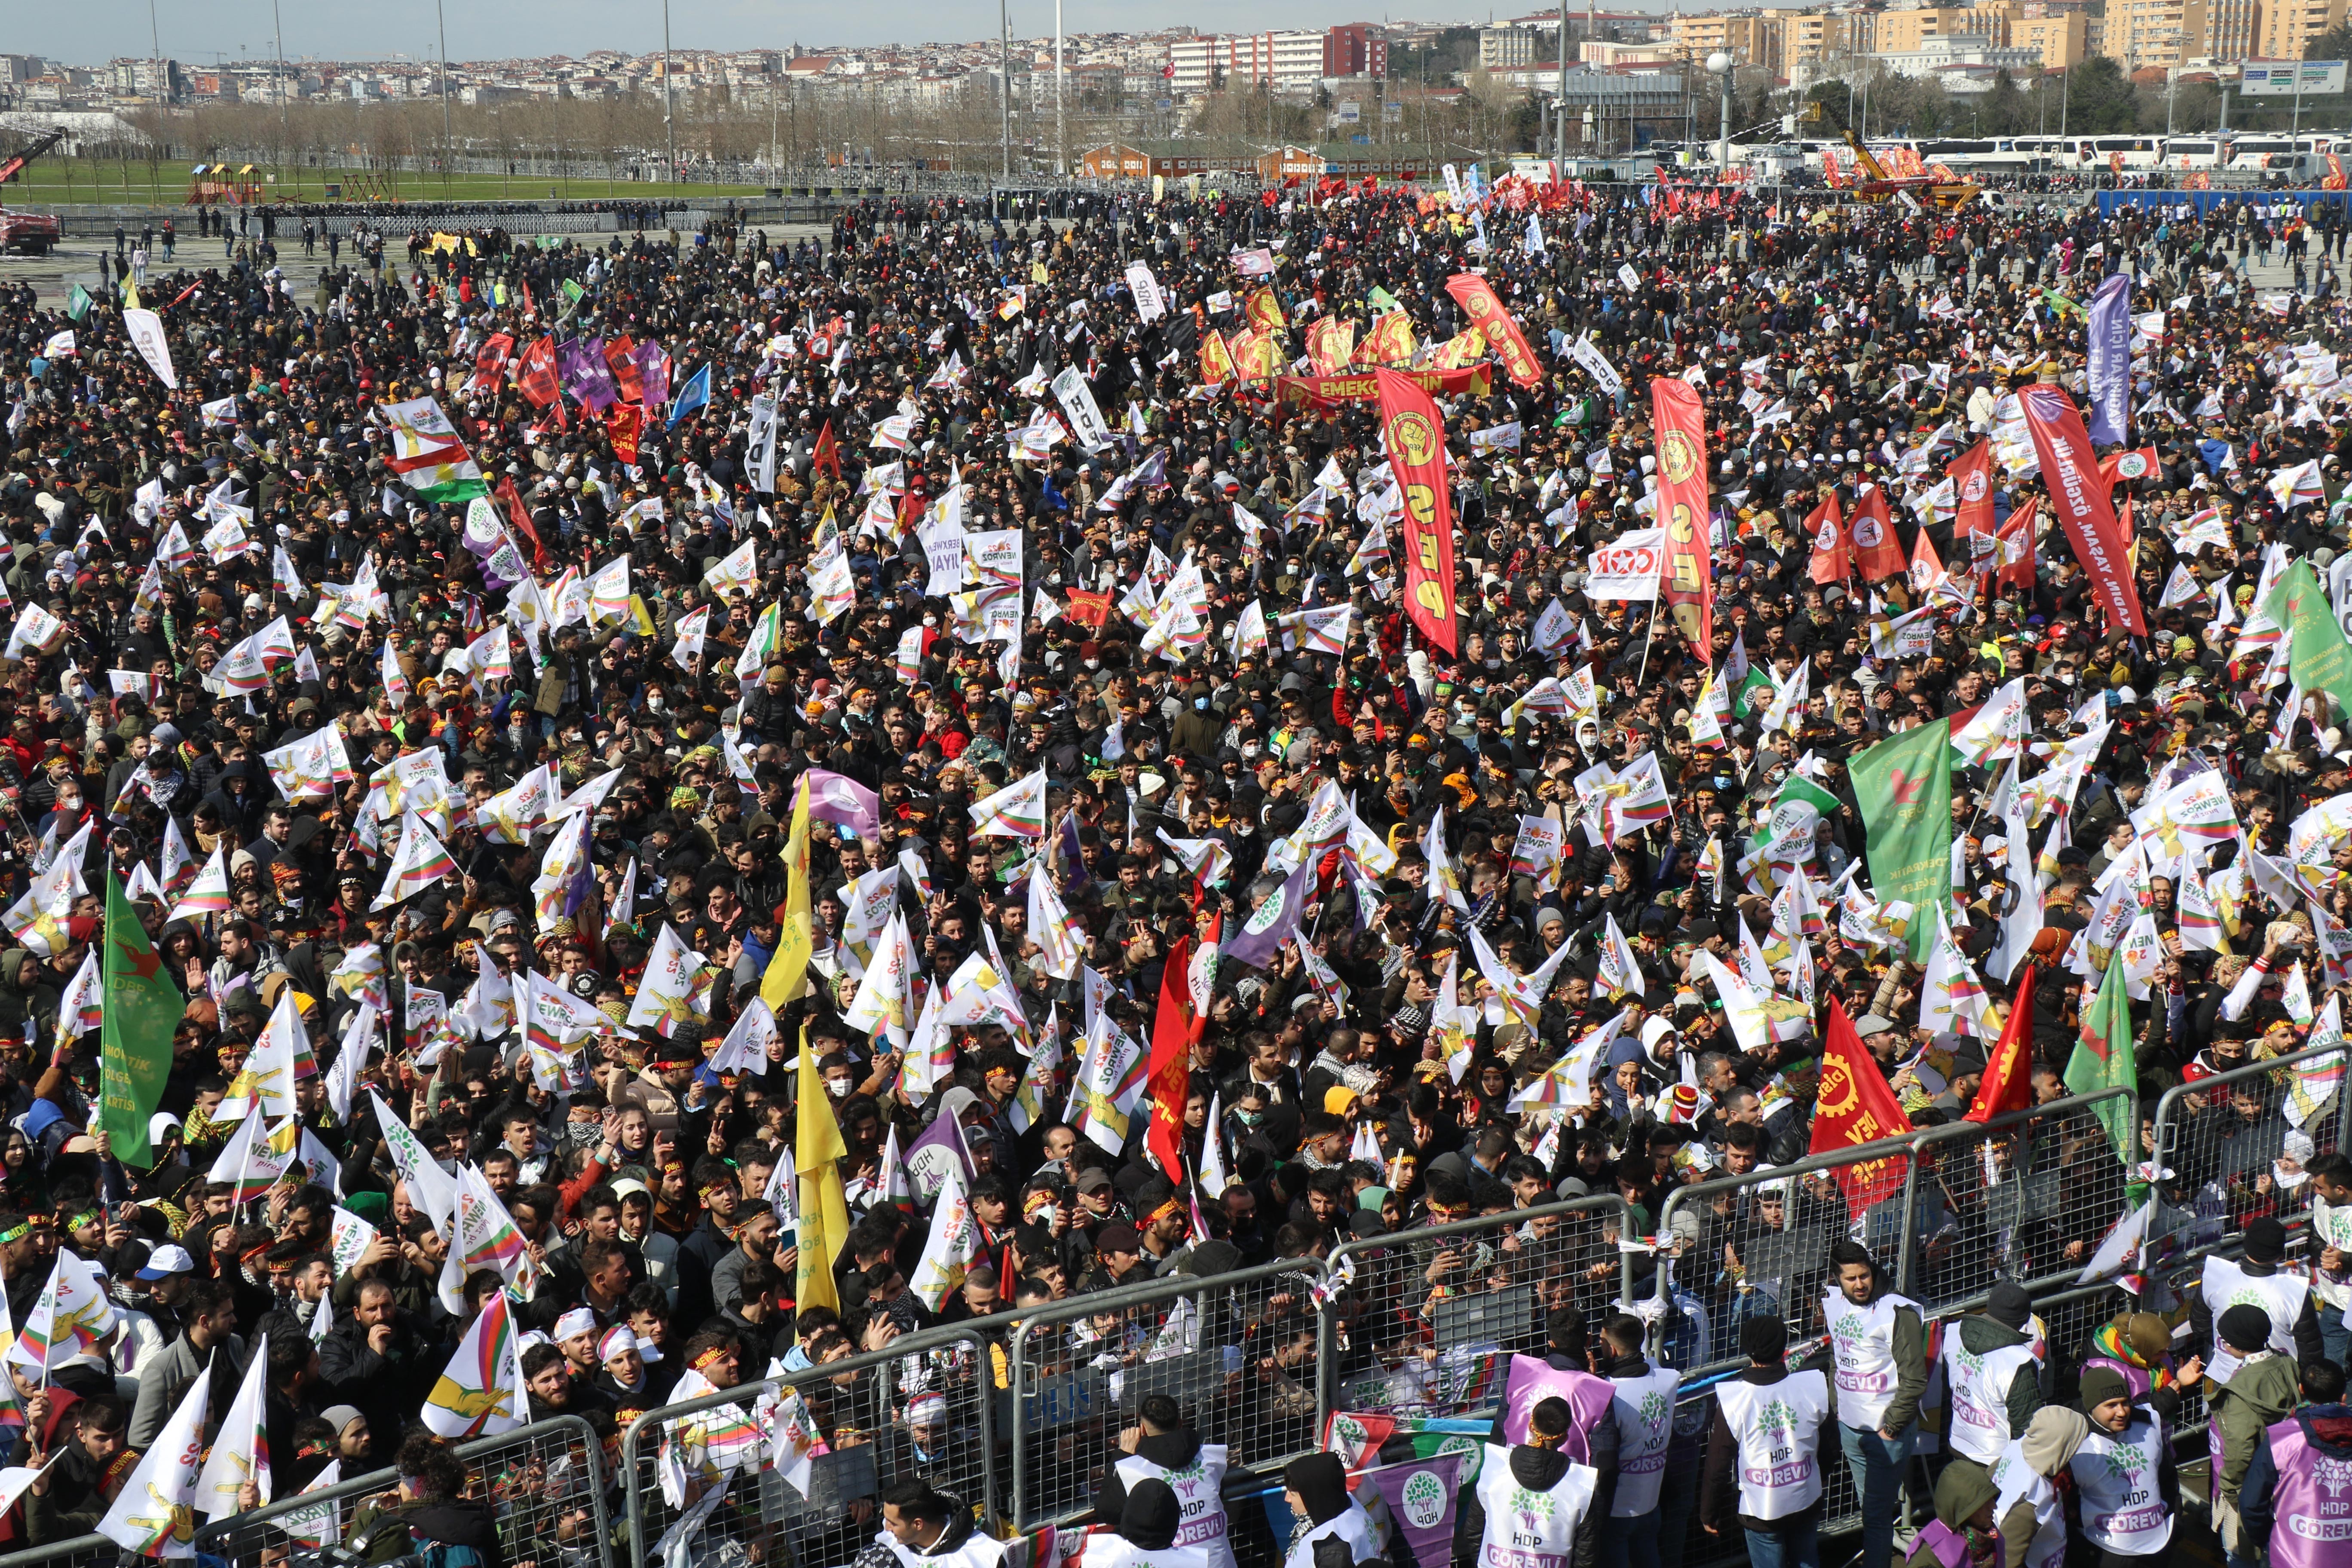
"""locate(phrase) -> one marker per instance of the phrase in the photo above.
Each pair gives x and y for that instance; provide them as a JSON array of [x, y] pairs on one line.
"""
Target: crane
[[13, 164]]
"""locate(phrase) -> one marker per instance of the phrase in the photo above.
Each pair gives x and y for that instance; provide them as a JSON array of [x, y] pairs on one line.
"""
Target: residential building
[[2061, 39], [1963, 62], [2158, 34], [146, 78], [1356, 48], [1501, 48], [2287, 27], [1752, 38]]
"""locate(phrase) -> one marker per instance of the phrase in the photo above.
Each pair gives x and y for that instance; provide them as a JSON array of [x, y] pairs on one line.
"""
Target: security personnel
[[2262, 1280], [1149, 1522], [2126, 1489], [1992, 1376], [1644, 1413], [1162, 1449], [1880, 1342], [922, 1527], [1763, 1454], [1536, 1498], [1339, 1532], [2293, 1495], [2027, 1507]]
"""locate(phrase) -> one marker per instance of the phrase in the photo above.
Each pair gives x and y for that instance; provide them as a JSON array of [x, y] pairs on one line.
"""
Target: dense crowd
[[694, 808]]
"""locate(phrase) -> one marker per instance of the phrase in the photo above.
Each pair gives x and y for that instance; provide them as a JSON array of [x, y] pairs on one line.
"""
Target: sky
[[201, 32]]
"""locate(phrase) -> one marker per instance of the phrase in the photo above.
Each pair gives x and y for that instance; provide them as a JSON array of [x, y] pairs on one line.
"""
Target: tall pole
[[669, 98], [1061, 116], [1004, 71], [278, 25], [155, 41], [1560, 142], [441, 21]]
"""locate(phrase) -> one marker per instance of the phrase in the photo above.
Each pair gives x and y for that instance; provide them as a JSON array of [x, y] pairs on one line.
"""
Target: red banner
[[537, 375], [1170, 1076], [1875, 549], [2014, 554], [1833, 562], [490, 363], [2078, 493], [1477, 380], [1853, 1106], [621, 359], [1688, 586], [1414, 434], [2008, 1082], [623, 425], [520, 515], [2139, 463], [1971, 476], [1476, 297], [827, 455]]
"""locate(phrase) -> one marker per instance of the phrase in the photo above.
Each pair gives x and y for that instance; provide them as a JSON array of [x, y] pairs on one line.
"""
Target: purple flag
[[939, 1149], [1275, 922], [2108, 341], [586, 376], [836, 798], [653, 366], [486, 537], [1420, 1494]]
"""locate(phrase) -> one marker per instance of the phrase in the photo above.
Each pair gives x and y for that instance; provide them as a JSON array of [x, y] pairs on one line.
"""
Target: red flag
[[2008, 1083], [521, 517], [622, 424], [2139, 463], [1688, 583], [827, 455], [1925, 564], [1171, 1072], [2080, 496], [1853, 1105], [2013, 557], [537, 375], [1875, 548], [1088, 608], [1971, 476], [1477, 300], [1832, 560], [490, 364], [621, 358], [1414, 434]]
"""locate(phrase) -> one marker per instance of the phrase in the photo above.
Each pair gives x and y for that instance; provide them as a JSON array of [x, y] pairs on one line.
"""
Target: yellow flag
[[796, 939], [817, 1150]]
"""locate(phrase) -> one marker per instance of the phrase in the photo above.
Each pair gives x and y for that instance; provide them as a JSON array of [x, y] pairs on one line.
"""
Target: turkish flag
[[1853, 1105], [2008, 1082], [1971, 476], [1874, 547], [1832, 560]]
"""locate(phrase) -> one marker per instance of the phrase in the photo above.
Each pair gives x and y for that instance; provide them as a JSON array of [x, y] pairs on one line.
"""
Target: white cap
[[166, 1260]]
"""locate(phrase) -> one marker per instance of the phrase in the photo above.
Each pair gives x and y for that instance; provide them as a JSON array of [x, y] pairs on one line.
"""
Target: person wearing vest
[[2260, 1390], [1992, 1382], [1963, 1533], [1151, 1522], [1880, 1343], [1161, 1448], [1332, 1529], [2331, 1283], [922, 1527], [2263, 1280], [2027, 1507], [1537, 1504], [1591, 1398], [2136, 1347], [2126, 1489], [1763, 1468], [1644, 1410], [2298, 1492]]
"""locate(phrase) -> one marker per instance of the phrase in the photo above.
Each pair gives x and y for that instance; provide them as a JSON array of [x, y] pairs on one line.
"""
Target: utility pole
[[1061, 115], [441, 21], [1004, 69], [278, 26], [669, 98], [1560, 142]]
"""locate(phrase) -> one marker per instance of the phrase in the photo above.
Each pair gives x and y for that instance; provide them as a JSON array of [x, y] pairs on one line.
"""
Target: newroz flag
[[1108, 1081], [153, 1515], [1016, 811], [670, 994], [420, 861], [484, 1237], [428, 454], [239, 1454], [482, 1393], [955, 1237]]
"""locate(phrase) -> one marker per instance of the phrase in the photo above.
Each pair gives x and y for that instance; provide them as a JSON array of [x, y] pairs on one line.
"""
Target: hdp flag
[[2103, 1058], [824, 1208]]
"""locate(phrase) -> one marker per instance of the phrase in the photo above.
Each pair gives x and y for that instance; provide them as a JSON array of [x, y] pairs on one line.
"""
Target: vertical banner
[[1971, 476], [1682, 509], [1853, 1106], [1150, 303], [1414, 436], [1420, 1494], [1904, 788], [2078, 493], [145, 331], [1077, 401], [1477, 298], [2109, 359]]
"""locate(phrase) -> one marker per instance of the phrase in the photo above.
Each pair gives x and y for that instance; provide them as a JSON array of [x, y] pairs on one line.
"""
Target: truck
[[28, 234]]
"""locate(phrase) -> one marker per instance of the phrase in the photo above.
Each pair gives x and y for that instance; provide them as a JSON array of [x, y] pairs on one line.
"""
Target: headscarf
[[1321, 1482], [2116, 1340]]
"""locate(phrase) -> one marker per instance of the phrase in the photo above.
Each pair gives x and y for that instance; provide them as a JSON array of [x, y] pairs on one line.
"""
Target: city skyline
[[225, 32]]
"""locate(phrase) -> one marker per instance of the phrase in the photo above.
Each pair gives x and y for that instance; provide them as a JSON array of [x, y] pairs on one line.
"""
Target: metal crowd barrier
[[1236, 1351], [1426, 1319], [738, 1509], [546, 1482], [77, 1551]]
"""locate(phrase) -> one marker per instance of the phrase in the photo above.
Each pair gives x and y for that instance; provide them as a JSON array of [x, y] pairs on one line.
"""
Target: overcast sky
[[199, 32]]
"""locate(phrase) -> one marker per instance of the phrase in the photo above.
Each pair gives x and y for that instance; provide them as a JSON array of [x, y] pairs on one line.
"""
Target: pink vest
[[2311, 1509], [1950, 1547], [1534, 1380], [2135, 1378]]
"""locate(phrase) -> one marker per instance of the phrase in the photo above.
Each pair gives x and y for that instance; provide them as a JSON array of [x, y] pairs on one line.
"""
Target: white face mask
[[837, 1087]]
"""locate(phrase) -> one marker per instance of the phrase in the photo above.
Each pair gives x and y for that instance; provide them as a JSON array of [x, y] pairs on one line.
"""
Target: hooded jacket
[[1171, 1451], [1960, 1492], [1980, 1335], [455, 1521], [2327, 1428], [2260, 1391], [2049, 1446], [1151, 1516]]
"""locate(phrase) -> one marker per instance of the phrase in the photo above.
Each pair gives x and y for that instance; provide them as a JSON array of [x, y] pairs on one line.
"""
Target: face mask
[[1093, 664], [1048, 1215], [837, 1087], [654, 701], [1250, 1118]]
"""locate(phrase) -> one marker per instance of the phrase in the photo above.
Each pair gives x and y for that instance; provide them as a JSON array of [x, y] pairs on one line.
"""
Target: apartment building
[[1288, 59], [2287, 27], [1751, 37]]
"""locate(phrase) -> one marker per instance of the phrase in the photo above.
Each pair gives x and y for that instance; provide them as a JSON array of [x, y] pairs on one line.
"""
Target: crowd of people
[[697, 806]]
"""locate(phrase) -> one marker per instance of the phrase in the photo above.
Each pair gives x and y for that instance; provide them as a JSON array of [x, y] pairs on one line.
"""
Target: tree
[[2099, 97], [2004, 111], [2336, 44]]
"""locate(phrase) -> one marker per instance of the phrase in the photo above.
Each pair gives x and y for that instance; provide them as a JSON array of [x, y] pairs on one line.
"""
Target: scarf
[[2107, 1339]]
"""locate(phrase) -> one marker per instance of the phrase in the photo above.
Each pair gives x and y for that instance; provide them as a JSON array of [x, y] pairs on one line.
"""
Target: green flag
[[2318, 659], [572, 291], [1904, 789], [78, 303], [1379, 301], [2103, 1058], [142, 1010]]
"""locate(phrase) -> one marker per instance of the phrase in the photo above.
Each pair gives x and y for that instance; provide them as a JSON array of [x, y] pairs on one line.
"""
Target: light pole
[[1004, 70], [1560, 142], [669, 118], [1720, 63], [441, 23], [278, 26], [1061, 115]]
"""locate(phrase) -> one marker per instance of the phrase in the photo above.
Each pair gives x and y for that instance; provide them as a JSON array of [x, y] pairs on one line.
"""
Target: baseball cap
[[167, 1260]]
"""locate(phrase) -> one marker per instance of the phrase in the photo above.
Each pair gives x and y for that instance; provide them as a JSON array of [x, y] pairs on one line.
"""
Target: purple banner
[[2109, 359], [486, 537], [837, 798], [1420, 1494], [586, 378], [1534, 1380], [653, 364], [1275, 922]]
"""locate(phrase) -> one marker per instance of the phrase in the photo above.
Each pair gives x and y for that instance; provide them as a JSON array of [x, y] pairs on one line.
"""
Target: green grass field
[[52, 181]]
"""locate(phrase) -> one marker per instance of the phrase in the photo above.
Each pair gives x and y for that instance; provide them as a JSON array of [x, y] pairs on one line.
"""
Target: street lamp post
[[1721, 63], [441, 23], [669, 117]]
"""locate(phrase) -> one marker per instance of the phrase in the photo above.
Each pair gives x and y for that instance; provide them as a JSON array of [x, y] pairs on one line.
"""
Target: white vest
[[2123, 1512], [2225, 1285], [1198, 1489], [1645, 1408], [1980, 1395], [977, 1552], [1107, 1551], [1351, 1524], [1863, 1340], [1778, 1429], [1529, 1529], [2020, 1482]]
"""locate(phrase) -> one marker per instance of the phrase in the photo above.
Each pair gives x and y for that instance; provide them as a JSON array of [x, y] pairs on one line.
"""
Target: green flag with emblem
[[1904, 789], [142, 1010], [2103, 1058], [2317, 658]]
